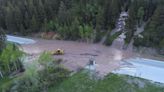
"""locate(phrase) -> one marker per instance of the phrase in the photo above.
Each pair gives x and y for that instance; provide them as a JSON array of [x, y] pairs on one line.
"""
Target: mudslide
[[77, 54]]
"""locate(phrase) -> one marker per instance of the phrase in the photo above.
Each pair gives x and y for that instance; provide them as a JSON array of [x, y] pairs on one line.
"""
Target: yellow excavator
[[58, 52]]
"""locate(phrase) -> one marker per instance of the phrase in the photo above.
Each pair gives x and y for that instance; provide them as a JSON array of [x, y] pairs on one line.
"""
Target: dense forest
[[153, 36], [85, 20], [72, 19]]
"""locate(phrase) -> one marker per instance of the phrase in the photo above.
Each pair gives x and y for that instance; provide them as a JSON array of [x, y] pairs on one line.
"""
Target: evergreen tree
[[62, 14], [130, 24], [153, 34], [9, 18], [18, 19], [34, 24], [2, 39], [65, 16], [140, 15]]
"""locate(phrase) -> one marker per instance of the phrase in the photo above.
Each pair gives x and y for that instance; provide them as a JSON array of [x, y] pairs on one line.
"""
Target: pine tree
[[34, 24], [107, 14], [41, 16], [153, 34], [22, 29], [140, 15], [18, 19], [131, 24], [2, 39], [62, 13], [9, 18], [112, 10]]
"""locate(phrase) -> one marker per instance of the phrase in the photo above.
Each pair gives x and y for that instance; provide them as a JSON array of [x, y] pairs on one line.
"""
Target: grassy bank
[[112, 83], [80, 82]]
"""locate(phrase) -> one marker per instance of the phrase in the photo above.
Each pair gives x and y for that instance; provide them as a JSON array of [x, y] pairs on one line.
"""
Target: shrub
[[129, 36], [10, 60], [86, 33], [99, 36], [44, 58], [110, 38], [39, 80]]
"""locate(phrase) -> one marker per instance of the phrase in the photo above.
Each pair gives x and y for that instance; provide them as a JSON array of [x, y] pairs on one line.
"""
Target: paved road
[[144, 68], [19, 40]]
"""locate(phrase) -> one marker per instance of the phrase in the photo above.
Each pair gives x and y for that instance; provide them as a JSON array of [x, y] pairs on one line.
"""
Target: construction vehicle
[[58, 52]]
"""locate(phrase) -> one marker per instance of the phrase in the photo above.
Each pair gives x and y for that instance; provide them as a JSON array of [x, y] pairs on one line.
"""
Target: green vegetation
[[2, 40], [153, 36], [66, 18], [111, 38], [84, 20], [79, 20], [38, 76], [10, 61], [79, 82], [112, 83], [10, 64], [48, 75], [150, 12]]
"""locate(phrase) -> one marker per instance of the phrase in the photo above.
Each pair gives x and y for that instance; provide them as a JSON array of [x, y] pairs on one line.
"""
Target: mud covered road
[[77, 54]]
